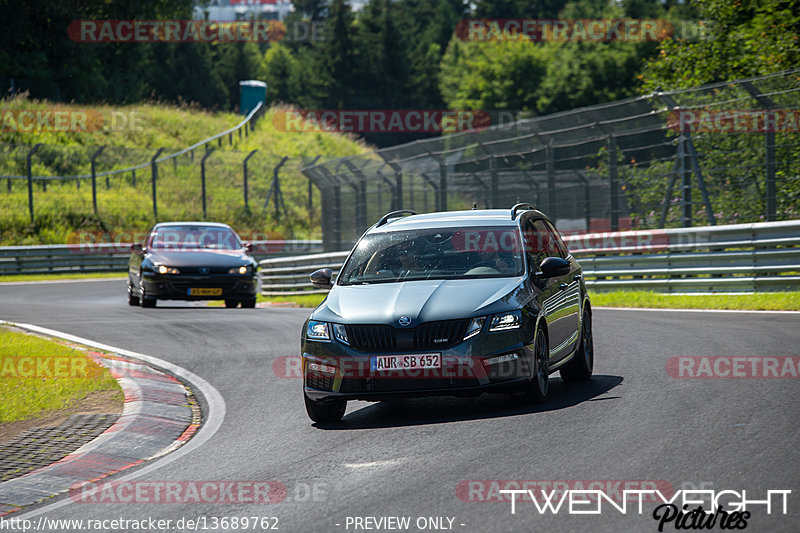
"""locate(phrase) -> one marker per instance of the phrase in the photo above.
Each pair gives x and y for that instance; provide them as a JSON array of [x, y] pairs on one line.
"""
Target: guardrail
[[113, 257], [732, 258]]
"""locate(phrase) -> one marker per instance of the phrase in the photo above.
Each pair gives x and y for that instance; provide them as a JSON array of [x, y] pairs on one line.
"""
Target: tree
[[276, 69], [741, 39]]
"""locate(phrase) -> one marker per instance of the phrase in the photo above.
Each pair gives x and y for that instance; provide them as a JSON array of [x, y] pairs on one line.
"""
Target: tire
[[132, 300], [325, 412], [250, 303], [230, 304], [148, 302], [536, 390], [582, 364]]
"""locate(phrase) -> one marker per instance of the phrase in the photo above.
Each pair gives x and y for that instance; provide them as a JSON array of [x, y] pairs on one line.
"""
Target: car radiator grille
[[378, 338]]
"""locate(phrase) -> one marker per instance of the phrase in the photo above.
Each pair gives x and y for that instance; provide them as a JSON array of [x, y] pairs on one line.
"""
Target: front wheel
[[250, 303], [230, 304], [132, 300], [325, 411], [582, 364], [536, 390]]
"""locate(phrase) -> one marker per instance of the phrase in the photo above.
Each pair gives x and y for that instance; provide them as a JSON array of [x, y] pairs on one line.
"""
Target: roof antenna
[[475, 206]]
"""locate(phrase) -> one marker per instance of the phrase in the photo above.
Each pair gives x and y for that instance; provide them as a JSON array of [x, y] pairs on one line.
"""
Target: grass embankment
[[58, 277], [784, 301], [38, 375], [125, 208], [774, 301]]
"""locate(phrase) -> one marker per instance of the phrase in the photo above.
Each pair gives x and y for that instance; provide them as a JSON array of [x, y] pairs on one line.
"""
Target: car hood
[[422, 301], [199, 258]]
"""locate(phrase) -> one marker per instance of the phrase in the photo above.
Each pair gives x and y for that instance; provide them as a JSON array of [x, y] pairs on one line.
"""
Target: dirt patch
[[97, 402]]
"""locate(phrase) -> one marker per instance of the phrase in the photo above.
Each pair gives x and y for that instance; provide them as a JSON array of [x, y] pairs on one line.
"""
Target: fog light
[[501, 359], [319, 367]]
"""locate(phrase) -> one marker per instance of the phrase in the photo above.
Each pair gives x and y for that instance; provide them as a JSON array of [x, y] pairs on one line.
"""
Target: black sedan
[[192, 261], [455, 303]]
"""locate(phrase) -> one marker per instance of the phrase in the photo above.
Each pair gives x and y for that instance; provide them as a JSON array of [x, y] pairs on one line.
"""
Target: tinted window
[[562, 248], [540, 242], [450, 253]]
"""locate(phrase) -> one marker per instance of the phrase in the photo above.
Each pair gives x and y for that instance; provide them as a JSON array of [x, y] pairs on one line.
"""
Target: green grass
[[64, 211], [302, 300], [38, 375], [783, 301], [787, 301], [71, 275]]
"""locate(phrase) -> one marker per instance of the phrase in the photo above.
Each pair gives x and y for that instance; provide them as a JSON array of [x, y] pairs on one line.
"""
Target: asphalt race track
[[407, 458]]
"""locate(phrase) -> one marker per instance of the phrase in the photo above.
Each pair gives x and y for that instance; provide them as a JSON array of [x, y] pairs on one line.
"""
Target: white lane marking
[[375, 464], [39, 282], [754, 311], [212, 423]]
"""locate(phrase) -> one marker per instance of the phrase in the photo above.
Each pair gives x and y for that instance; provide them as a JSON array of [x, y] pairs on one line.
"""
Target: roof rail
[[522, 206], [394, 214]]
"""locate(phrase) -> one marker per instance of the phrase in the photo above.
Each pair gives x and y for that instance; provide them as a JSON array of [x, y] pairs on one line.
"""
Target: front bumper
[[504, 365], [178, 287]]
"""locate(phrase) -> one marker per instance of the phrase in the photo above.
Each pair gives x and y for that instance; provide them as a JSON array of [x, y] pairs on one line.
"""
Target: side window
[[558, 243], [538, 242]]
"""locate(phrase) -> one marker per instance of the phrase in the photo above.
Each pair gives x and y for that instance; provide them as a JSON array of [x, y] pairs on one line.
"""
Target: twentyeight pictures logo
[[380, 120]]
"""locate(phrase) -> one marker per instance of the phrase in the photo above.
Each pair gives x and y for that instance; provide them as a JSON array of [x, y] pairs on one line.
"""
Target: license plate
[[387, 363], [205, 292]]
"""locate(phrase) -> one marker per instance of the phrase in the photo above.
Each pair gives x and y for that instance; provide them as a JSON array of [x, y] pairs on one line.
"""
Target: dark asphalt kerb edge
[[204, 392]]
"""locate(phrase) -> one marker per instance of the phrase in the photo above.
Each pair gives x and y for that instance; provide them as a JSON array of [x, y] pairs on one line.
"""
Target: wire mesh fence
[[722, 153]]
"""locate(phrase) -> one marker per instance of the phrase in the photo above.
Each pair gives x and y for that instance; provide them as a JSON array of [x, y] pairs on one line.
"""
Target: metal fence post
[[133, 178], [495, 183], [551, 179], [686, 187], [92, 164], [154, 174], [244, 176], [613, 182], [203, 179], [30, 178], [442, 186]]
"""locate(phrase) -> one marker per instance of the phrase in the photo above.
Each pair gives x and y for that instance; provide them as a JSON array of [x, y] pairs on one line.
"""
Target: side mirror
[[249, 247], [137, 247], [553, 267], [321, 279]]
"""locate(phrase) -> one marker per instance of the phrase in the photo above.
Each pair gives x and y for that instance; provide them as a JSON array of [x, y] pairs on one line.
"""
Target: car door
[[540, 245], [570, 286]]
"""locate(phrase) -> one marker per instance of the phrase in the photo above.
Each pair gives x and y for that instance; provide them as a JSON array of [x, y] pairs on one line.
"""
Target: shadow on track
[[439, 409]]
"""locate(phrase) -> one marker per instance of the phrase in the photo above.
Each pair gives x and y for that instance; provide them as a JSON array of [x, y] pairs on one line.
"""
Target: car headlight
[[164, 269], [506, 321], [340, 333], [317, 331], [475, 327], [239, 270]]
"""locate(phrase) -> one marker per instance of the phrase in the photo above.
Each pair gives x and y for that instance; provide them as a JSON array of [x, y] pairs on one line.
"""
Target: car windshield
[[195, 237], [449, 253]]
